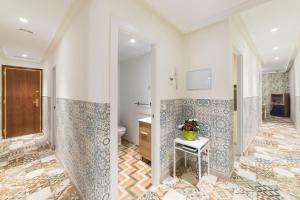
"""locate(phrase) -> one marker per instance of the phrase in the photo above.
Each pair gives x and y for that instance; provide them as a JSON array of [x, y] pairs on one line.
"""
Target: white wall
[[19, 63], [211, 48], [250, 115], [1, 61], [22, 64], [251, 64], [82, 56], [297, 75], [134, 86], [292, 93], [295, 98]]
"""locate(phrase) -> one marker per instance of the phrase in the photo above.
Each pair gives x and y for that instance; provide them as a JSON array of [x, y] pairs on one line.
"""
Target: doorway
[[134, 115], [238, 138], [22, 110], [53, 110], [153, 141]]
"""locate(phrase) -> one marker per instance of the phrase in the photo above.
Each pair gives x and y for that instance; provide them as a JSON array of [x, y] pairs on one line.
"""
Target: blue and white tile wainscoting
[[251, 119], [170, 115], [215, 118], [83, 145], [297, 113], [46, 110]]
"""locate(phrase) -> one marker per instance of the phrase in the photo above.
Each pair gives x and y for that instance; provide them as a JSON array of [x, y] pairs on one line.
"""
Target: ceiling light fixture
[[276, 58], [23, 20], [132, 40], [24, 55], [275, 48], [273, 30]]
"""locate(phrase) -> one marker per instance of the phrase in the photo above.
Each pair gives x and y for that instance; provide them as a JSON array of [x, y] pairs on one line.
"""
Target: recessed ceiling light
[[24, 55], [273, 30], [275, 48], [276, 58], [132, 40], [23, 20]]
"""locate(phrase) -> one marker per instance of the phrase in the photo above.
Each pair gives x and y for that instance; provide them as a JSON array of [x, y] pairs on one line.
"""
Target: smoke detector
[[26, 31]]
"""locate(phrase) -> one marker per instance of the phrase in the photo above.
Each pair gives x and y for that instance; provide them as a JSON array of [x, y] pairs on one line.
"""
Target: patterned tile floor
[[270, 171], [134, 174], [29, 170]]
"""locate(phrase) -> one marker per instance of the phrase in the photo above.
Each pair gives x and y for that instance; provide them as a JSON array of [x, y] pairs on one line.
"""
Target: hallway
[[29, 170], [79, 76], [271, 170]]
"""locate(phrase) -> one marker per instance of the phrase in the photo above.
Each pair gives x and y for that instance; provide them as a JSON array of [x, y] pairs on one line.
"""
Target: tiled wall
[[83, 145], [275, 83], [251, 119], [298, 112], [215, 117], [46, 115], [1, 117], [170, 115]]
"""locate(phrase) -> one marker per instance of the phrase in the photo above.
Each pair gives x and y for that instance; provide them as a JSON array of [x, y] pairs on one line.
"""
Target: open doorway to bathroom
[[134, 115], [238, 137]]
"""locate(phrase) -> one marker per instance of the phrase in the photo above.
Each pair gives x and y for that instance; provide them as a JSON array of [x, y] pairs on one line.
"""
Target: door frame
[[116, 26], [240, 104], [53, 107], [4, 67]]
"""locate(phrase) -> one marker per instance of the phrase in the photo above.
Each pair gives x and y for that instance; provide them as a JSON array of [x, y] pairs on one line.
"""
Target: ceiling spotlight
[[276, 58], [23, 20], [273, 30], [275, 48], [24, 55], [132, 40]]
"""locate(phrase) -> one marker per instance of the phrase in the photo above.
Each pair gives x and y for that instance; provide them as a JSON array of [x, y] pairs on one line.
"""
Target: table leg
[[199, 164], [174, 162], [185, 159]]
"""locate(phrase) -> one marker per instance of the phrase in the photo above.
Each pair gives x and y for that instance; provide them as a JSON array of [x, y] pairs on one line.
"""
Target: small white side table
[[200, 145]]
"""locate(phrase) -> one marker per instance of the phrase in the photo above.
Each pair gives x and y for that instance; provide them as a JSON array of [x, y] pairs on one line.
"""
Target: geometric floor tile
[[134, 174], [269, 171], [29, 170]]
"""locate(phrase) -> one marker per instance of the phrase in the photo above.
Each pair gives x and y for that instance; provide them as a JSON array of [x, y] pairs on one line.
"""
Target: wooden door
[[22, 110]]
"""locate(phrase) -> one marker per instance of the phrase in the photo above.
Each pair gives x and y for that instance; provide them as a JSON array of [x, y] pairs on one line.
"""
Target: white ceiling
[[281, 14], [44, 18], [190, 15], [128, 50]]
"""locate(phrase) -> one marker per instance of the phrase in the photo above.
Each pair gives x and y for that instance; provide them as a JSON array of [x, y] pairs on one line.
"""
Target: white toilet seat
[[121, 129], [121, 132]]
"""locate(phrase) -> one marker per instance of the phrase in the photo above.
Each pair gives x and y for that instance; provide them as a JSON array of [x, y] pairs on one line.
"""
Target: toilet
[[121, 132]]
